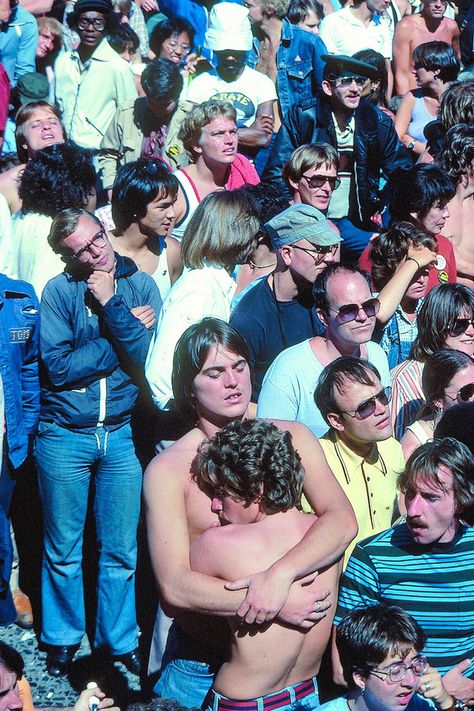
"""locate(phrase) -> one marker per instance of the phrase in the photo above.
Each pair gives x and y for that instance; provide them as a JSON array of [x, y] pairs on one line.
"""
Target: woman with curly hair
[[456, 161], [58, 177]]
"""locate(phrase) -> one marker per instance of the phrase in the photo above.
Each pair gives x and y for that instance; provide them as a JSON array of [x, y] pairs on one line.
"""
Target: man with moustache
[[347, 310], [211, 386], [96, 327], [425, 563], [359, 446]]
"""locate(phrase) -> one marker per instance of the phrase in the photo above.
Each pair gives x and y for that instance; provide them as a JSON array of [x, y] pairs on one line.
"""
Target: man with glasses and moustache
[[360, 448], [347, 310], [279, 311], [425, 563], [96, 321], [92, 81], [364, 137]]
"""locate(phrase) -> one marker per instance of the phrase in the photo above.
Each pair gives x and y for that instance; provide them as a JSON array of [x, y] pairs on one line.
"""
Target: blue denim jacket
[[19, 338], [299, 65]]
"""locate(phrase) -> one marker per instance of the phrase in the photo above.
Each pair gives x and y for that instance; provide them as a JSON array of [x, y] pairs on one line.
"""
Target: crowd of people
[[237, 340]]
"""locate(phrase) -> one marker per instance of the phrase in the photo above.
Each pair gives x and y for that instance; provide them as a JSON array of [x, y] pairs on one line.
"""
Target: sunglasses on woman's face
[[464, 394], [460, 326]]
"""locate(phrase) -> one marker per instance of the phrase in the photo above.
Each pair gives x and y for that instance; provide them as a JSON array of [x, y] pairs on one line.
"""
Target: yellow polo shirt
[[370, 483]]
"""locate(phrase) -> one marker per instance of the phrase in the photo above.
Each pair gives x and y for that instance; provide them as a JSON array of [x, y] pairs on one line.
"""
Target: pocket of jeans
[[45, 427], [191, 667]]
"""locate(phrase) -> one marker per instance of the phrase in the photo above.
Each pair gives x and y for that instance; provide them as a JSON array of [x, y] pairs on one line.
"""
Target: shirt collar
[[353, 460]]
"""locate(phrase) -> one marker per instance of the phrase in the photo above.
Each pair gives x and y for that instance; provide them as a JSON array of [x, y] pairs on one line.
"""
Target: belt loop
[[215, 701], [260, 703]]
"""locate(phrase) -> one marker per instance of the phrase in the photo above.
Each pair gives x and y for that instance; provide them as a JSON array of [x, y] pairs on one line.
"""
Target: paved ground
[[47, 691]]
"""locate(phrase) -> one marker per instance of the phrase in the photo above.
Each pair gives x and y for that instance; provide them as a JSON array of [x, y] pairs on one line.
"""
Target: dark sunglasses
[[460, 326], [349, 312], [367, 408], [464, 394], [317, 181]]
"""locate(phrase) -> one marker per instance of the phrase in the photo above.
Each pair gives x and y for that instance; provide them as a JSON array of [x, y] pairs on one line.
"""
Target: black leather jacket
[[377, 150]]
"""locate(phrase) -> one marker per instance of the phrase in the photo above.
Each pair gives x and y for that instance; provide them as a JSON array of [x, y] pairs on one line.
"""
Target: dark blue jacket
[[93, 356], [299, 65], [377, 151], [19, 336]]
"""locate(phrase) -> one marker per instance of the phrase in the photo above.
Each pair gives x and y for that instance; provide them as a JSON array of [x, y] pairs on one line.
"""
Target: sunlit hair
[[221, 231], [424, 465], [392, 247], [298, 10], [366, 636], [280, 6], [171, 27], [457, 155], [190, 355], [199, 116], [24, 115], [457, 104], [416, 190], [55, 28], [251, 460], [307, 156], [437, 56], [337, 378], [440, 368], [64, 224], [442, 306]]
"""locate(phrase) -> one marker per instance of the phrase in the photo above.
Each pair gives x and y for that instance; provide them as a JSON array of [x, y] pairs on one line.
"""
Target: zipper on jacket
[[102, 401]]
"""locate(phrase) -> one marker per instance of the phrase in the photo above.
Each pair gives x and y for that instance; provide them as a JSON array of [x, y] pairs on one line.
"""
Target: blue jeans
[[287, 699], [7, 484], [186, 675], [69, 463]]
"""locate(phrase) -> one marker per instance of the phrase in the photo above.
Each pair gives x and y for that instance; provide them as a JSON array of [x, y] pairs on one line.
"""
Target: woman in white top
[[143, 199], [447, 380], [220, 235], [381, 653]]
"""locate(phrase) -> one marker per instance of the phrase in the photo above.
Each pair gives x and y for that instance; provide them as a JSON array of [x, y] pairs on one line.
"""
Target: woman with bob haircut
[[143, 200], [446, 320], [173, 39], [420, 196], [209, 135], [310, 173], [447, 380], [381, 653], [436, 64], [60, 176], [220, 235]]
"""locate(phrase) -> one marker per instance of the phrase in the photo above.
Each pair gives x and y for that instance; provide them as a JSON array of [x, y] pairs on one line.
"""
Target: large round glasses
[[398, 671]]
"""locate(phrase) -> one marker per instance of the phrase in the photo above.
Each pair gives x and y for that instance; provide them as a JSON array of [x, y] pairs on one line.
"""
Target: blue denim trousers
[[7, 484], [69, 463]]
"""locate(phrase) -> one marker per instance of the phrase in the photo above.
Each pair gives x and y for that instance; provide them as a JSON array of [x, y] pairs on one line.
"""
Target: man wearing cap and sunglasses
[[360, 448], [347, 310], [279, 311], [364, 137]]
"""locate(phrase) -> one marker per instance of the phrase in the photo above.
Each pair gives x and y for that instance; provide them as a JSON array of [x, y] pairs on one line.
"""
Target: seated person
[[381, 653], [400, 260], [251, 93], [306, 14], [254, 478], [435, 65], [376, 88], [173, 39], [447, 380], [125, 41]]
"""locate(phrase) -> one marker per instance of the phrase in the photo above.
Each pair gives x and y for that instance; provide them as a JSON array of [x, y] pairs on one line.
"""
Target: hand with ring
[[431, 687]]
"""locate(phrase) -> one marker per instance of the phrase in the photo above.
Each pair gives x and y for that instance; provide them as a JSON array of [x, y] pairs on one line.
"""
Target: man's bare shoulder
[[296, 429], [9, 183], [175, 461]]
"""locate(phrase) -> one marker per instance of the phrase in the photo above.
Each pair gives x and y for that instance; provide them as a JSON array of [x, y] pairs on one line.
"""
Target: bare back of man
[[269, 657], [458, 228], [412, 31]]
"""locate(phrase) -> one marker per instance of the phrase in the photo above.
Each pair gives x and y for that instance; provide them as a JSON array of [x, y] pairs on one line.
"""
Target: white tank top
[[192, 200]]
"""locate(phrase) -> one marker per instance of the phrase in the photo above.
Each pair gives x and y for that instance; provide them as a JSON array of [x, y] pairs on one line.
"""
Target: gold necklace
[[261, 266]]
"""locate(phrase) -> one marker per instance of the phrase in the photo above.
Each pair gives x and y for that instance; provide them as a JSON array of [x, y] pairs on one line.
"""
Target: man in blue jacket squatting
[[96, 320]]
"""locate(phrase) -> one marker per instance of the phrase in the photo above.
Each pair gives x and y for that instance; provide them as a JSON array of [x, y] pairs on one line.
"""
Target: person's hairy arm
[[401, 56], [322, 545], [260, 132], [168, 538]]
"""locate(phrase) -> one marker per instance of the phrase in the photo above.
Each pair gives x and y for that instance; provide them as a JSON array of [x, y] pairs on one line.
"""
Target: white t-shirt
[[288, 388], [245, 94], [343, 33]]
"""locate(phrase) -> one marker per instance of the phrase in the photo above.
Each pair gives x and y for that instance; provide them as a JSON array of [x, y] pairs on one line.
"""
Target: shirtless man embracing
[[211, 385]]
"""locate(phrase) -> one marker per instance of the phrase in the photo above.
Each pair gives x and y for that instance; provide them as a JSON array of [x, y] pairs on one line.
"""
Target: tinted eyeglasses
[[367, 408], [465, 393], [318, 249], [349, 312], [460, 326], [84, 23], [345, 82], [317, 181], [398, 671], [99, 240]]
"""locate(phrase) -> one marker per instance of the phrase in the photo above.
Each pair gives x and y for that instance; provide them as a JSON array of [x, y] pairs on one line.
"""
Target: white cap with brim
[[301, 222], [229, 28]]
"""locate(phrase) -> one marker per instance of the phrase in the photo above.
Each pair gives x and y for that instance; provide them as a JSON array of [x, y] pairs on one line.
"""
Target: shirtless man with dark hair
[[211, 383]]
